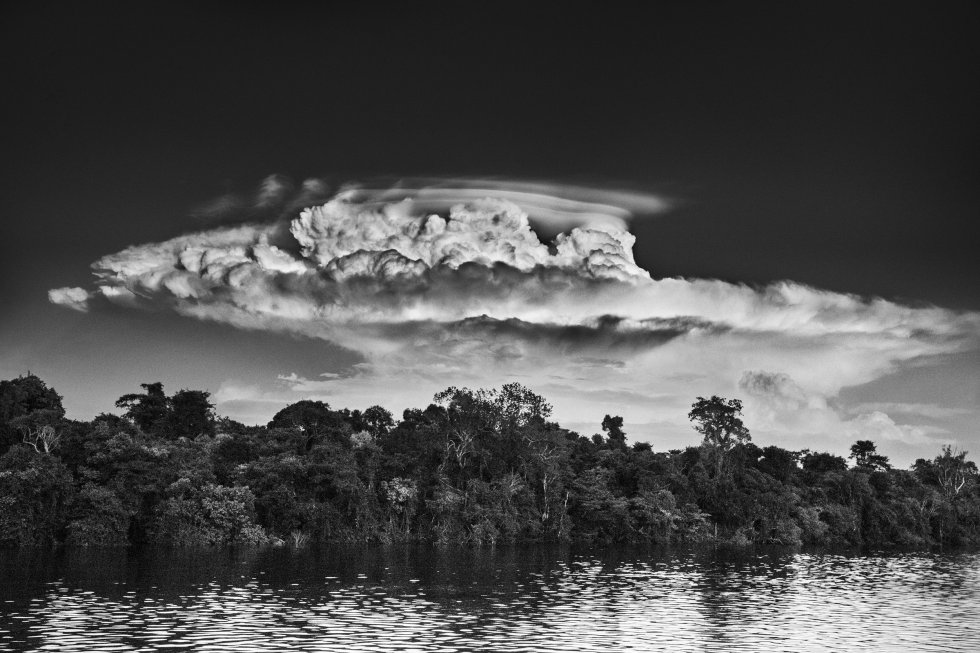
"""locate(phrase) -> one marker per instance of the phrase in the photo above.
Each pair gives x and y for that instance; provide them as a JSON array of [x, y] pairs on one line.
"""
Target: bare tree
[[39, 429], [953, 470]]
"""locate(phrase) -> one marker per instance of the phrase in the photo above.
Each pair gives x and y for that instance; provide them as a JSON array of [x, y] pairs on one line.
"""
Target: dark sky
[[835, 144], [832, 144]]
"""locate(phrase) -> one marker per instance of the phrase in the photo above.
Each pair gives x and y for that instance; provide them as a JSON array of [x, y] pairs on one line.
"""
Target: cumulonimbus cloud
[[431, 282]]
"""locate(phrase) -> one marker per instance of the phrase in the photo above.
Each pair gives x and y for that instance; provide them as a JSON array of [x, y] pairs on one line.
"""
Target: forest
[[475, 467]]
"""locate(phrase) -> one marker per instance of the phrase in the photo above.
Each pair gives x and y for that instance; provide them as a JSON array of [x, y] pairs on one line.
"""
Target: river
[[418, 598]]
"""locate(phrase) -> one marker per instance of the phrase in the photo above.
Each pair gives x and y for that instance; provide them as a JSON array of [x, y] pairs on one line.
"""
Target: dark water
[[523, 599]]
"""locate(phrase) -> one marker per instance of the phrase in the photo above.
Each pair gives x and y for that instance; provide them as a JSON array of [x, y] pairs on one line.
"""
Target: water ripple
[[531, 599]]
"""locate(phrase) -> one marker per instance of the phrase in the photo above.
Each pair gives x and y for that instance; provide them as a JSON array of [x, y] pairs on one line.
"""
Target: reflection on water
[[523, 599]]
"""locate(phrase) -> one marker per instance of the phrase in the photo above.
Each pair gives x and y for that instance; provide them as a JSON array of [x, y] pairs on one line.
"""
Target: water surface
[[508, 599]]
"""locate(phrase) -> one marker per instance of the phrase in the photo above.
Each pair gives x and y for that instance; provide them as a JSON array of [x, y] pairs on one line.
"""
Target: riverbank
[[475, 468]]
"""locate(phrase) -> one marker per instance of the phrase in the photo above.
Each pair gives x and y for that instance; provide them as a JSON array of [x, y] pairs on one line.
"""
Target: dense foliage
[[477, 467]]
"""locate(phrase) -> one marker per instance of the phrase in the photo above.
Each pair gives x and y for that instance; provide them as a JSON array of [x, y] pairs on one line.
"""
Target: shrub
[[35, 489], [98, 518], [214, 515]]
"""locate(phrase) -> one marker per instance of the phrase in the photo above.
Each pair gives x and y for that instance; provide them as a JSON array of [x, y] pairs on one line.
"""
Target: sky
[[768, 201]]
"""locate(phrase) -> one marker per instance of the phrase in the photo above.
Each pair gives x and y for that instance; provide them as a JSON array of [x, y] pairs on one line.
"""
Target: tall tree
[[379, 421], [718, 420], [613, 426], [191, 414], [149, 410], [866, 457], [313, 418]]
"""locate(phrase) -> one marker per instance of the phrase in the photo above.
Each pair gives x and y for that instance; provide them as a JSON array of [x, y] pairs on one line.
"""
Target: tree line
[[479, 467]]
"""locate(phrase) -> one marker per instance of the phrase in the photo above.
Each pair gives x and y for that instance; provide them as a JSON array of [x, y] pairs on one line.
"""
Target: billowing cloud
[[74, 298], [452, 284], [777, 389], [777, 402]]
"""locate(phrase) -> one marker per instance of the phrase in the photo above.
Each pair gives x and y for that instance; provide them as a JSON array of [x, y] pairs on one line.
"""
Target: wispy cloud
[[451, 284], [915, 409]]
